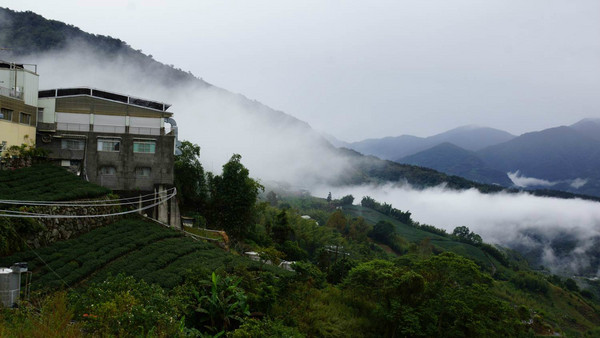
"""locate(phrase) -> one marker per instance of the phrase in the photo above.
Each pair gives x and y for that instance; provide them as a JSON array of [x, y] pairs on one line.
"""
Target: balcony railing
[[11, 92], [99, 128], [144, 131], [72, 126]]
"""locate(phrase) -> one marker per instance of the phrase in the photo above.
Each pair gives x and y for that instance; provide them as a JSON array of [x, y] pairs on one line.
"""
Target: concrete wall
[[125, 161], [16, 134]]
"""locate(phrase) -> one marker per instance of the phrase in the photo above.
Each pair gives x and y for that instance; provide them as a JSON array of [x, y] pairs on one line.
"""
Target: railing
[[144, 131], [11, 92], [107, 128], [72, 126]]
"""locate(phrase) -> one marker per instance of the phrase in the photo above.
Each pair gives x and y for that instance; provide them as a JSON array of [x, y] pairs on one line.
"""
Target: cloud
[[578, 183], [565, 233], [523, 181], [274, 146]]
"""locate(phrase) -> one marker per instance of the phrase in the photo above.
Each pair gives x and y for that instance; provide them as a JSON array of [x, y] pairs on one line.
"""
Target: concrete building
[[113, 140], [18, 104]]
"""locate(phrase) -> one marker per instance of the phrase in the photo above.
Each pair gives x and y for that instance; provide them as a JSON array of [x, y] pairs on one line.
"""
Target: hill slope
[[453, 160], [467, 137]]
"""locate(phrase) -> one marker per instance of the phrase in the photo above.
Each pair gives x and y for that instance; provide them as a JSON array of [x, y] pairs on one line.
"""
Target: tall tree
[[233, 198], [189, 177]]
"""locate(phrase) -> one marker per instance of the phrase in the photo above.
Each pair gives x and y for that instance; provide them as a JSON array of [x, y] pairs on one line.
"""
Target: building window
[[2, 146], [148, 147], [142, 172], [24, 118], [72, 144], [6, 114], [40, 115], [113, 145], [108, 170]]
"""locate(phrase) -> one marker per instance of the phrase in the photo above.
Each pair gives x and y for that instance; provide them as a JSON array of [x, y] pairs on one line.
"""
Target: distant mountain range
[[564, 158], [394, 148]]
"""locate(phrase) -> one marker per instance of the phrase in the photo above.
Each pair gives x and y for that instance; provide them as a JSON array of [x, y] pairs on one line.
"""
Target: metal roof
[[106, 95]]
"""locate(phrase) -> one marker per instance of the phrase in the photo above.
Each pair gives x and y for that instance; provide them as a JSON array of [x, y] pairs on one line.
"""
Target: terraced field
[[136, 247], [46, 182]]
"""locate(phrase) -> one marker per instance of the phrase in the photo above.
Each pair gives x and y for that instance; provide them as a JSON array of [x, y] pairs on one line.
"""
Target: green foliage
[[215, 305], [382, 231], [529, 282], [121, 305], [265, 328], [571, 285], [281, 230], [464, 234], [189, 178], [50, 317], [445, 295], [233, 198], [337, 221], [310, 274], [346, 200], [387, 209]]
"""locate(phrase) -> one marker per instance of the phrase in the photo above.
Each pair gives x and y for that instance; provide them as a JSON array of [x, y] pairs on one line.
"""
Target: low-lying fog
[[522, 221]]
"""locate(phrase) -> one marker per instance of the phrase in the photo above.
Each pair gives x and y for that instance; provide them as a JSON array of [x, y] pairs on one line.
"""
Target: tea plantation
[[46, 182], [133, 246]]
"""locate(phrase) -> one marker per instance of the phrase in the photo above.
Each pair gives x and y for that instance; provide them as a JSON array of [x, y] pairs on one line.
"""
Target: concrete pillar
[[163, 208], [141, 212], [175, 216]]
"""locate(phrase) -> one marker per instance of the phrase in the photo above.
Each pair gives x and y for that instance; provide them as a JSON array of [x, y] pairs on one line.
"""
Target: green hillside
[[134, 247], [46, 182], [412, 234]]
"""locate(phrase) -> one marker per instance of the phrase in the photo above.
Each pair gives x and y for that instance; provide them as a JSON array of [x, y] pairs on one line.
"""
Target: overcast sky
[[361, 69]]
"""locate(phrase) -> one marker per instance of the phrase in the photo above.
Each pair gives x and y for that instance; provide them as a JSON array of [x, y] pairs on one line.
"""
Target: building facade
[[114, 140], [18, 104]]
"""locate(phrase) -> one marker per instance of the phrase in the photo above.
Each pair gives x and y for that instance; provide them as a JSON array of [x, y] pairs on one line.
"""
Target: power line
[[133, 200], [24, 214]]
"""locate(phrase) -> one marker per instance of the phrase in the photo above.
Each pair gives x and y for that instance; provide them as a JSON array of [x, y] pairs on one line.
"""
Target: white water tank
[[10, 284], [6, 293]]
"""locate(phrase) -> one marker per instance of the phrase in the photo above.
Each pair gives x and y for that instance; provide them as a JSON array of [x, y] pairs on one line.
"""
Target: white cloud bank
[[513, 220]]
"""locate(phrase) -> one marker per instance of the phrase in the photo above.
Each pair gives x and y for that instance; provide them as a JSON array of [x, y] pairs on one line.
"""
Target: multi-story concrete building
[[114, 140], [18, 104]]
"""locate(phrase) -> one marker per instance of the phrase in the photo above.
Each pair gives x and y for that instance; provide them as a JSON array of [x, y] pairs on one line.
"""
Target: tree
[[189, 177], [464, 234], [281, 230], [338, 221], [359, 229], [382, 231], [272, 198], [329, 197], [347, 200], [233, 198]]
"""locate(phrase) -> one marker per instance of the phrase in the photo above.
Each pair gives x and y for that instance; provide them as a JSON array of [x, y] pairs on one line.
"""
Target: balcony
[[62, 126], [11, 93]]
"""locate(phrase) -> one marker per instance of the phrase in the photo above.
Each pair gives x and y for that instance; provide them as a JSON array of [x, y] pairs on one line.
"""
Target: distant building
[[114, 140], [18, 104]]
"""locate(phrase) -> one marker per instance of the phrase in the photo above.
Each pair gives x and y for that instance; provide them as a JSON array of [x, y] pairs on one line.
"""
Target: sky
[[369, 69]]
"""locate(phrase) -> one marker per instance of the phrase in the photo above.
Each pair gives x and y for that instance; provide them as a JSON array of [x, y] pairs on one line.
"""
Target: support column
[[163, 208], [175, 216]]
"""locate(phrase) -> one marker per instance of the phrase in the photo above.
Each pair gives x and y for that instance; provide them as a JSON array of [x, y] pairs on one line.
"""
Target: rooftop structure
[[18, 104]]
